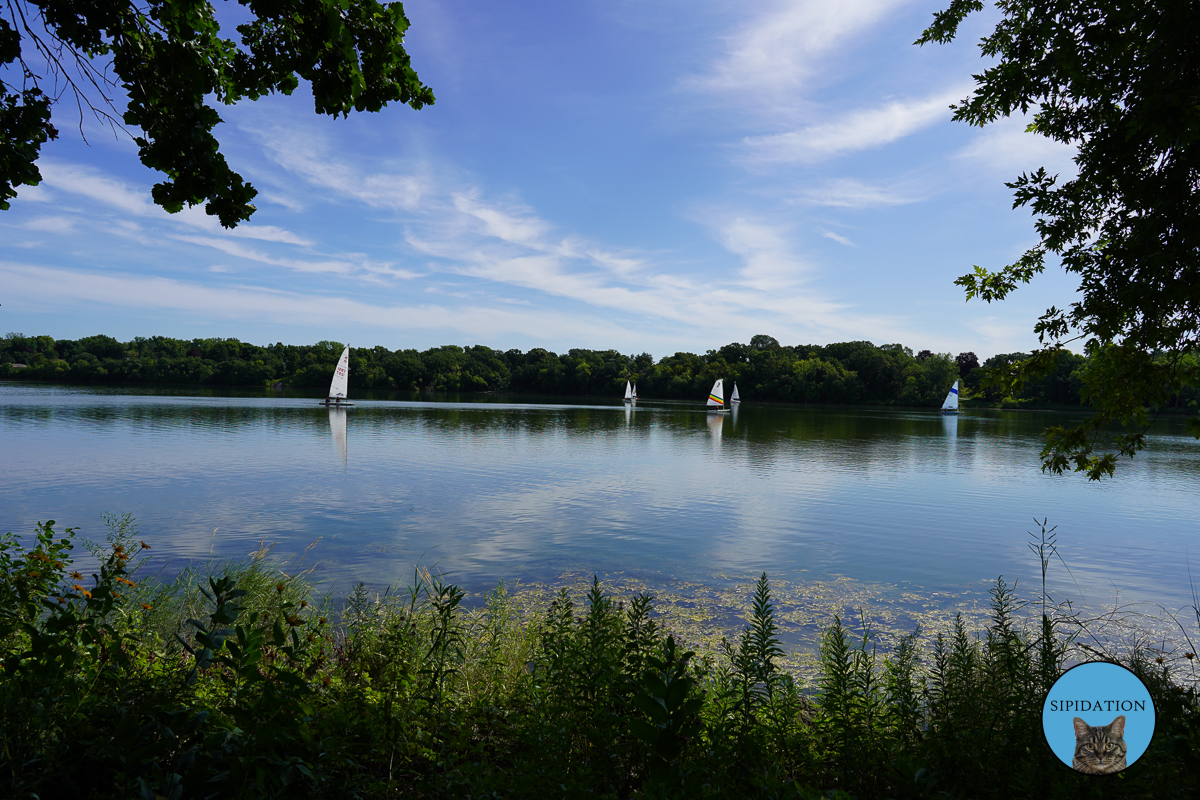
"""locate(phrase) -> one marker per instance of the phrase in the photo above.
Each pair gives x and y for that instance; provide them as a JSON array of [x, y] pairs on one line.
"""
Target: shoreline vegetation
[[846, 373], [237, 681]]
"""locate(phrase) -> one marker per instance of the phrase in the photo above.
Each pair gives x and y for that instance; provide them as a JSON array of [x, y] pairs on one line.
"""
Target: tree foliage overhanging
[[167, 58], [1120, 80]]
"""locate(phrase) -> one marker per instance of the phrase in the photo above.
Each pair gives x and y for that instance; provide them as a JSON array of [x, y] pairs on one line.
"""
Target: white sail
[[716, 398], [736, 398], [341, 376], [628, 390], [951, 403]]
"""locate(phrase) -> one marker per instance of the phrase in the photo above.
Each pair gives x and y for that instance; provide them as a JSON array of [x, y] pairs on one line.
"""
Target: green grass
[[238, 682]]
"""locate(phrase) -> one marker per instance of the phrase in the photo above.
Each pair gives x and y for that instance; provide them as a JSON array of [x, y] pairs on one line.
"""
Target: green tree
[[168, 58], [1119, 80]]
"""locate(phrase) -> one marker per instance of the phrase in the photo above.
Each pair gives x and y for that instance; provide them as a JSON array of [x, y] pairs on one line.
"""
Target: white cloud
[[853, 193], [51, 225], [95, 186], [1004, 147], [117, 195], [781, 47], [361, 268], [196, 217], [514, 225], [767, 261], [857, 130], [40, 284], [839, 239], [34, 194], [303, 154]]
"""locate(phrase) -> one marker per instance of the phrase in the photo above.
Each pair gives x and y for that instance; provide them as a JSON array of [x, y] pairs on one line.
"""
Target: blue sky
[[647, 176]]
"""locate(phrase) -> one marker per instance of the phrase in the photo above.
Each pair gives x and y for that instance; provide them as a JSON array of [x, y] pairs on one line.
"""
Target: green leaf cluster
[[843, 373], [232, 685], [169, 59], [1120, 81]]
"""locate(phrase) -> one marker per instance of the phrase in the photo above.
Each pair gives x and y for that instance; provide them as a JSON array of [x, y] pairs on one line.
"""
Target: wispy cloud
[[837, 238], [516, 225], [1005, 147], [41, 284], [120, 197], [853, 193], [51, 225], [306, 155], [857, 130], [779, 48], [359, 268], [767, 262]]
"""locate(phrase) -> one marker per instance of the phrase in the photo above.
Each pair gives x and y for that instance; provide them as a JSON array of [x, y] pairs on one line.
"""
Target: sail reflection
[[950, 425], [716, 426], [337, 427]]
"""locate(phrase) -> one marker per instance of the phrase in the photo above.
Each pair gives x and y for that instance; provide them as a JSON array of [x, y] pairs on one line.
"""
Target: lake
[[897, 501]]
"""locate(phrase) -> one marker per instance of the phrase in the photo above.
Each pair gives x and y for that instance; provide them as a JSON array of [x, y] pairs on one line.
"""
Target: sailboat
[[951, 404], [716, 398], [630, 393], [340, 384], [635, 393], [736, 397]]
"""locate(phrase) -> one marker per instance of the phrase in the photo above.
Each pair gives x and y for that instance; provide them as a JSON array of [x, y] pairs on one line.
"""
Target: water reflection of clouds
[[493, 491]]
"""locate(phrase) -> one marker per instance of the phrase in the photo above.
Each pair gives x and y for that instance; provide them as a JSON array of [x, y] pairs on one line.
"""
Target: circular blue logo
[[1098, 718]]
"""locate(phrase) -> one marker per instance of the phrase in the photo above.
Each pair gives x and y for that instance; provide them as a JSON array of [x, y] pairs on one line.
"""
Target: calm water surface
[[519, 491]]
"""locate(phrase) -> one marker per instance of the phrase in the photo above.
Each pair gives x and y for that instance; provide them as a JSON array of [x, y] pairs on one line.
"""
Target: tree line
[[839, 373]]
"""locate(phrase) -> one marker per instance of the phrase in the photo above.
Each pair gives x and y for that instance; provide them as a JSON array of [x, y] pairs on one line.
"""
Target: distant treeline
[[844, 373]]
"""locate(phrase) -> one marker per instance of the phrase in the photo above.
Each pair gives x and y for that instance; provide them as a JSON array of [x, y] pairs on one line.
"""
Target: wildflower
[[147, 606], [86, 594], [115, 595], [77, 587], [1189, 656], [144, 545], [1158, 660], [293, 620], [76, 576], [304, 604], [61, 600], [325, 679], [279, 588], [323, 620]]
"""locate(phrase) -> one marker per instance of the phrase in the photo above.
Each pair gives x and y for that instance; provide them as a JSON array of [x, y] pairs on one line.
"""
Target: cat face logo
[[1099, 749], [1098, 718]]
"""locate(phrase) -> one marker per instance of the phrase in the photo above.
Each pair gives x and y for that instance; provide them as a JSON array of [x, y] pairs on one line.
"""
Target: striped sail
[[951, 403], [635, 391], [716, 398], [341, 376]]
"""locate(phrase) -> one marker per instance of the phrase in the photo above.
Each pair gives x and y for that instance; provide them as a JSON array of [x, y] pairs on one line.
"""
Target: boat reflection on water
[[716, 426], [337, 427], [950, 425]]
